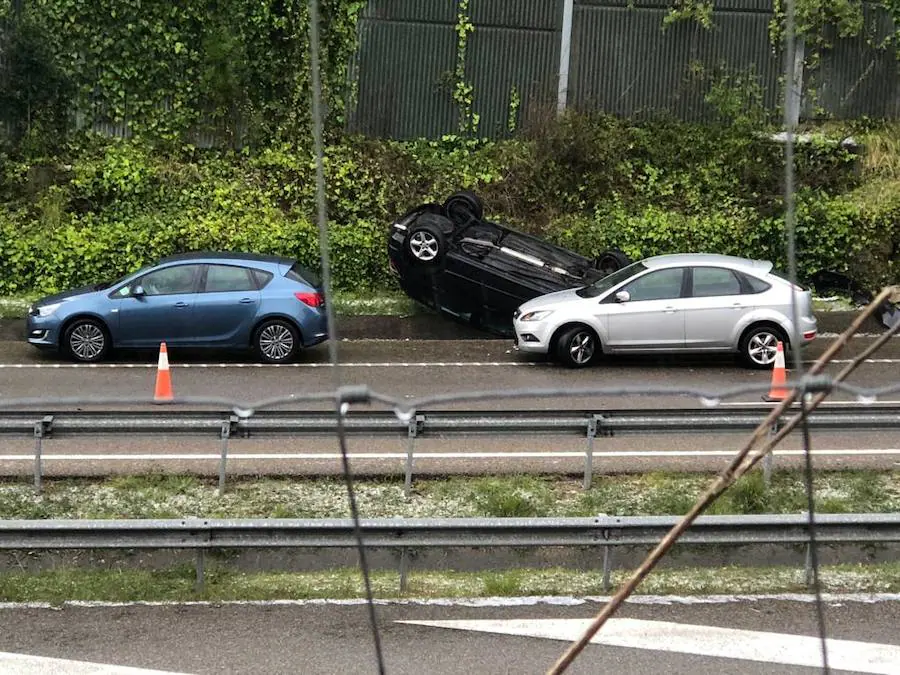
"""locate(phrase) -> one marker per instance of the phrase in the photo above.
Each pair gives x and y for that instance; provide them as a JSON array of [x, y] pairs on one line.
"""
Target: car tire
[[758, 346], [463, 206], [578, 347], [611, 261], [86, 340], [426, 244], [276, 341]]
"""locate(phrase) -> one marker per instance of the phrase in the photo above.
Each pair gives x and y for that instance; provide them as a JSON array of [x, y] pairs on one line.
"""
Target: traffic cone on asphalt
[[163, 379], [778, 391]]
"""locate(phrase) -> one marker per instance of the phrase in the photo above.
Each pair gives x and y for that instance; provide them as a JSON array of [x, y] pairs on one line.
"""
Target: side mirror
[[623, 296], [137, 291]]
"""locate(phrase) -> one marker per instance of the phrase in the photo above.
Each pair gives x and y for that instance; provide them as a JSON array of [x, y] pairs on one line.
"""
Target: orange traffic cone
[[778, 391], [163, 379]]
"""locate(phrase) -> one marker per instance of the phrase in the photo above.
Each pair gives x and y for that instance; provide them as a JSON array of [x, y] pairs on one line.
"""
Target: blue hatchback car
[[269, 304]]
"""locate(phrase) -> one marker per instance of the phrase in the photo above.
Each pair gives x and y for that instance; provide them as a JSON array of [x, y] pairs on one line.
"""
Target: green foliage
[[463, 90], [690, 10], [234, 68]]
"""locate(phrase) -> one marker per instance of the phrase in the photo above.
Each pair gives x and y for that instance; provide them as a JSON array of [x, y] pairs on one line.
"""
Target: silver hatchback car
[[693, 302]]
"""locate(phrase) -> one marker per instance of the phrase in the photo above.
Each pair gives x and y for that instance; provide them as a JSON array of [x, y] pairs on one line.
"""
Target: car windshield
[[602, 285]]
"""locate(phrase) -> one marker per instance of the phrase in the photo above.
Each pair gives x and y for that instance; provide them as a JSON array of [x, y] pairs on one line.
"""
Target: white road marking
[[24, 664], [730, 643], [374, 364], [357, 456]]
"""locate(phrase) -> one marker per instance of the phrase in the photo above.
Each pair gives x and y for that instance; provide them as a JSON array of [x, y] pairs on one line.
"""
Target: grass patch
[[175, 496], [223, 583]]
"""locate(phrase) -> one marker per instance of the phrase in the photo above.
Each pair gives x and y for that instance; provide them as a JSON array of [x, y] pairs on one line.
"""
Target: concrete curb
[[435, 327]]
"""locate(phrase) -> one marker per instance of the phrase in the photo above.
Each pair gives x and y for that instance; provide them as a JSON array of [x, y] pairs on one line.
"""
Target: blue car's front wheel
[[86, 340]]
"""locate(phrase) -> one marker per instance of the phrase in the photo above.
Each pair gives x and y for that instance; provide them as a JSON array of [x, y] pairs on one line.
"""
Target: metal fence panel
[[857, 77], [625, 63]]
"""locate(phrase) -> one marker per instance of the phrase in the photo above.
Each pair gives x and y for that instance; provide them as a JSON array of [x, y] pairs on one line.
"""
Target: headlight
[[536, 316], [46, 310]]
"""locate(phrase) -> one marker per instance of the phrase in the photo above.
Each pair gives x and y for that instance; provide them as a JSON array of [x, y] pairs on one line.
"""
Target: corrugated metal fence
[[623, 60]]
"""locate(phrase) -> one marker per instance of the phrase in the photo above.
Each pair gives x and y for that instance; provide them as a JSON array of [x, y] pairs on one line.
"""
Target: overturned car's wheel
[[426, 243], [463, 206], [578, 347], [611, 261]]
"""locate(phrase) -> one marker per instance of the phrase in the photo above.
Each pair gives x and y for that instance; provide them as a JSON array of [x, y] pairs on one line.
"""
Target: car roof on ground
[[229, 255], [705, 259]]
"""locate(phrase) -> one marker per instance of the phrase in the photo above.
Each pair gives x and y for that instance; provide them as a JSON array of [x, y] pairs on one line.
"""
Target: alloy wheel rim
[[424, 246], [276, 342], [87, 341], [581, 348], [762, 348]]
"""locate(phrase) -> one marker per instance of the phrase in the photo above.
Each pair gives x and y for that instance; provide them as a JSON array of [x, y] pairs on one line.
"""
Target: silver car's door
[[653, 315], [715, 307]]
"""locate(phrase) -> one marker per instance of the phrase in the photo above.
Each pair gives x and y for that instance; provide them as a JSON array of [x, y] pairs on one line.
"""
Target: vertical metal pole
[[412, 432], [606, 570], [404, 569], [200, 564], [565, 50], [795, 90], [38, 446], [226, 434], [807, 568], [589, 455]]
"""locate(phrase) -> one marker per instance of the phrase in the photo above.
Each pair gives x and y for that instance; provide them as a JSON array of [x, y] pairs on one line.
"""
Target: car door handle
[[737, 305], [246, 301], [181, 305], [670, 310]]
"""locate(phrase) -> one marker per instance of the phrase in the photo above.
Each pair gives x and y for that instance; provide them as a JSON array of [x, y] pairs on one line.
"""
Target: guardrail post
[[225, 434], [769, 459], [41, 429], [200, 565], [589, 454], [607, 555], [404, 569], [412, 432]]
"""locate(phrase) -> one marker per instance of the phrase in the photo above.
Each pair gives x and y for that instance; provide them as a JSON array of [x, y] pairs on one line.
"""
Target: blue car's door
[[226, 306], [159, 307]]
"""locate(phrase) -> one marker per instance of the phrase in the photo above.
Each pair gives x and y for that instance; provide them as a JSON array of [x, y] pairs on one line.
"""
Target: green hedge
[[104, 207]]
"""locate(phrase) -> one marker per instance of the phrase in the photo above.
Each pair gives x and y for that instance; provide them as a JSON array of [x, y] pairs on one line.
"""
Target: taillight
[[311, 299]]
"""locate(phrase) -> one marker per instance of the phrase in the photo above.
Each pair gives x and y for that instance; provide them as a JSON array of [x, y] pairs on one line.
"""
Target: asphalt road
[[335, 638], [416, 369]]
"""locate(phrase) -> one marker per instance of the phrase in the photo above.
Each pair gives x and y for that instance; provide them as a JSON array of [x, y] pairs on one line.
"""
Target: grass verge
[[175, 496], [383, 303], [222, 583]]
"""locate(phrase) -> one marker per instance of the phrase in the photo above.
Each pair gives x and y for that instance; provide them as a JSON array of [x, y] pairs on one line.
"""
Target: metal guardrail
[[588, 424], [405, 534]]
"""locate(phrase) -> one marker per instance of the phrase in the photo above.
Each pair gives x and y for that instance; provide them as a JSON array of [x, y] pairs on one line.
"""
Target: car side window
[[659, 285], [170, 280], [262, 277], [754, 285], [224, 278], [715, 281]]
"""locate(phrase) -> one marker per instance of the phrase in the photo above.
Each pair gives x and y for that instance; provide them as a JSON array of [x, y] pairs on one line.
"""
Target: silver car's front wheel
[[760, 345], [577, 347]]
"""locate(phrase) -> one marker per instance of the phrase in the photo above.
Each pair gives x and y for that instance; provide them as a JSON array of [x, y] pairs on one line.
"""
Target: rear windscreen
[[303, 274]]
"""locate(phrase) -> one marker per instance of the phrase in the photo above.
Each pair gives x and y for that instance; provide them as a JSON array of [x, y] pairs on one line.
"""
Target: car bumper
[[532, 336], [42, 332]]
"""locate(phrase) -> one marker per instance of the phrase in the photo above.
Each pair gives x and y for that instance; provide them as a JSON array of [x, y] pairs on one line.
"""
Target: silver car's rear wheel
[[578, 347], [85, 340], [760, 345]]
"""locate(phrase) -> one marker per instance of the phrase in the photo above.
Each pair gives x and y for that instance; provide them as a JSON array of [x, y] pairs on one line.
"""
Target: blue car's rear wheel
[[86, 340], [276, 341]]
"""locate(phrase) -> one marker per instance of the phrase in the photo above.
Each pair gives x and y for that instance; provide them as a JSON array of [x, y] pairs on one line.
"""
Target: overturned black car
[[448, 257]]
